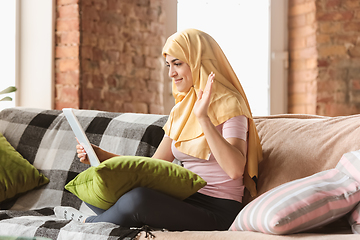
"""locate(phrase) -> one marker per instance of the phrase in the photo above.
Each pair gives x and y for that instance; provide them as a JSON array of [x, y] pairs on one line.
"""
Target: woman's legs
[[96, 210], [143, 206]]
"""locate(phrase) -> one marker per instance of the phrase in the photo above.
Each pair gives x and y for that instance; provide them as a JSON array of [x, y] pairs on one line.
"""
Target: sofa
[[294, 147]]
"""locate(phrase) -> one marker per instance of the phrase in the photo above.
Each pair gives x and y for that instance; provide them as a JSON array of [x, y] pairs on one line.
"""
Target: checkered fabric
[[45, 139]]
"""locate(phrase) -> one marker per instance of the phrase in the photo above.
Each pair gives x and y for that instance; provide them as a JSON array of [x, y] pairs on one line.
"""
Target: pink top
[[219, 184]]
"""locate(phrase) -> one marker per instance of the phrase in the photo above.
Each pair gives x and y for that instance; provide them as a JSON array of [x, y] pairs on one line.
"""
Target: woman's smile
[[180, 72], [177, 80]]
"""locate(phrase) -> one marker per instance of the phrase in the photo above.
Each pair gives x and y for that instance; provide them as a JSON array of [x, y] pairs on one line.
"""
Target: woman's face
[[180, 72]]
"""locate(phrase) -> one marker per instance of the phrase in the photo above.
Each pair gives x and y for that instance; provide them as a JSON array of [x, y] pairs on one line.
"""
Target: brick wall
[[108, 56], [339, 57], [67, 64], [115, 63], [303, 57], [324, 45]]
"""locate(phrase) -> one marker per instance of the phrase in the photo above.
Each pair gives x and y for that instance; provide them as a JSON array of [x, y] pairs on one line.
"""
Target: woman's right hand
[[82, 154], [101, 154], [202, 103]]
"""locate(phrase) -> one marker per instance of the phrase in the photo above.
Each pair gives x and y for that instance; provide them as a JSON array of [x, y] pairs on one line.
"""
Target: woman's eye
[[177, 64], [167, 65]]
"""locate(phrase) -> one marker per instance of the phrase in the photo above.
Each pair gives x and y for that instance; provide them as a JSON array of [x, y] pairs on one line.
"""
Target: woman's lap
[[143, 206]]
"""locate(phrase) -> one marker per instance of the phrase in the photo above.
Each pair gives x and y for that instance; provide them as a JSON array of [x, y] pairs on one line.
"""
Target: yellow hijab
[[201, 52]]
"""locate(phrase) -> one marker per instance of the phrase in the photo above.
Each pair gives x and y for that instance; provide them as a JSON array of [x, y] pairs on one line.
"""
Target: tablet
[[80, 135]]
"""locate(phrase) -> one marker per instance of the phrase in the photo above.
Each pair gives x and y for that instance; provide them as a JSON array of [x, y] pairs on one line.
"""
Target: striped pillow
[[354, 220], [300, 205], [350, 165]]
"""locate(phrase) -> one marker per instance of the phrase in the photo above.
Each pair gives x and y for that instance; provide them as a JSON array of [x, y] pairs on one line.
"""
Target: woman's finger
[[200, 94], [210, 82], [81, 153]]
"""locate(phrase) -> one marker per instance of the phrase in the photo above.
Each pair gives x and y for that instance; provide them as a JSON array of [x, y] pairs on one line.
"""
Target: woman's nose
[[172, 72]]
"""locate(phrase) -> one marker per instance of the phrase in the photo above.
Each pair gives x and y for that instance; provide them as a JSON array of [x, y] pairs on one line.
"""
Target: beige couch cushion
[[296, 146]]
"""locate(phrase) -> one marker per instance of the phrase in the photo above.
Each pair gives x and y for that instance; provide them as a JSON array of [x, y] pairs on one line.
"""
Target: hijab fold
[[201, 52]]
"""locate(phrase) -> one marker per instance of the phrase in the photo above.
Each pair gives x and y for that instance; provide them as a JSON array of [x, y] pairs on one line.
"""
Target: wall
[[338, 45], [34, 64], [279, 57], [303, 71], [91, 68], [67, 63], [324, 45], [108, 55], [170, 7]]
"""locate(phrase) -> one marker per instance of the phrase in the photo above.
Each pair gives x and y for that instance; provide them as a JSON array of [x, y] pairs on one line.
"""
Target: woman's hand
[[202, 104], [81, 153], [100, 153]]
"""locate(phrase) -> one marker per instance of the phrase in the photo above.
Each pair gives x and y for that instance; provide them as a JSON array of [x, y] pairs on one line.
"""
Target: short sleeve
[[236, 127]]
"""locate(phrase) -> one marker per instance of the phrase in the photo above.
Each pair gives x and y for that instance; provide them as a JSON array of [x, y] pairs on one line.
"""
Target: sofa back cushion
[[45, 139], [297, 146], [294, 146]]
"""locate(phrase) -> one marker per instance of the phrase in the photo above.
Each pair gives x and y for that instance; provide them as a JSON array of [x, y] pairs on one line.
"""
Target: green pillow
[[17, 175], [103, 185]]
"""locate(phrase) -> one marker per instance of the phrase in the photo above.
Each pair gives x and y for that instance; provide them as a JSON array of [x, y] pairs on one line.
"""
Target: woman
[[210, 131]]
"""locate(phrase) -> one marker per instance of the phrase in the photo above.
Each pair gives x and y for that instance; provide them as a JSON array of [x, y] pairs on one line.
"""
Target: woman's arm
[[100, 153], [229, 153], [162, 152]]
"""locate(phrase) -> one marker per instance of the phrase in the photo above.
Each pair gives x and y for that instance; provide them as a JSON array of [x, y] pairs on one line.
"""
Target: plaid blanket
[[45, 139]]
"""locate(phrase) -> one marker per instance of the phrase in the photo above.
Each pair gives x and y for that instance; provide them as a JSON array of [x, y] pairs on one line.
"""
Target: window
[[7, 49], [29, 47], [242, 30], [253, 35]]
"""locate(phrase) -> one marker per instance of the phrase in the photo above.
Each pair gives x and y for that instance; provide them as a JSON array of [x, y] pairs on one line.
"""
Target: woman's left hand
[[202, 104]]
